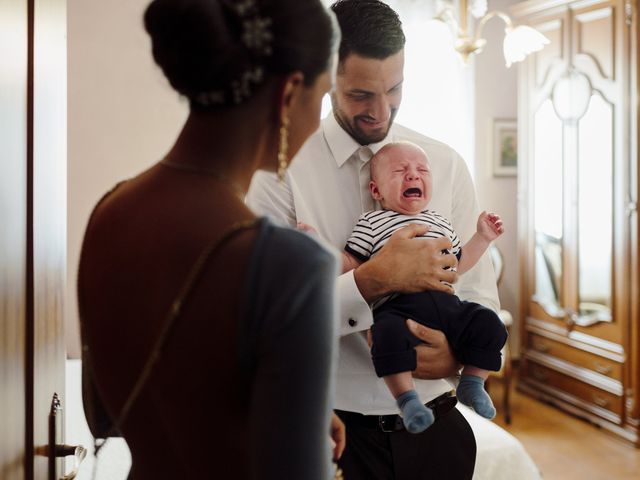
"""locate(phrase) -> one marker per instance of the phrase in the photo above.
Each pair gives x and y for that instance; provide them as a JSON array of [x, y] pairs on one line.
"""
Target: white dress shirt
[[327, 187]]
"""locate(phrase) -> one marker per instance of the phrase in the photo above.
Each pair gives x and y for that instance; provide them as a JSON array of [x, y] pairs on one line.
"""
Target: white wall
[[122, 115], [437, 93], [496, 97]]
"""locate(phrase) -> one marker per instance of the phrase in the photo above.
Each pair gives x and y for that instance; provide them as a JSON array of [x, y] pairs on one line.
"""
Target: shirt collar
[[341, 144]]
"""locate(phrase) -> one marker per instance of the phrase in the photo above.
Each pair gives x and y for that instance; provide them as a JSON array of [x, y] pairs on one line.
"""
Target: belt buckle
[[389, 423]]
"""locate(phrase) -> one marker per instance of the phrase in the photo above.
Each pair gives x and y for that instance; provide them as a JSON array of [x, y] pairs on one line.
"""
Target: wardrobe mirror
[[548, 195]]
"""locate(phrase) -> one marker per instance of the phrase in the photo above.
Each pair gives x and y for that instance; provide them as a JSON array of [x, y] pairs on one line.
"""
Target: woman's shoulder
[[286, 267], [290, 251], [295, 247]]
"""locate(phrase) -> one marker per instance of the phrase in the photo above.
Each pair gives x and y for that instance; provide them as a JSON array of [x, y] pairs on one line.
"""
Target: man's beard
[[351, 127]]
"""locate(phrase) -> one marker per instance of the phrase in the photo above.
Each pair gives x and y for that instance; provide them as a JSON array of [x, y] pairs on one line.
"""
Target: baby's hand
[[490, 226], [306, 228]]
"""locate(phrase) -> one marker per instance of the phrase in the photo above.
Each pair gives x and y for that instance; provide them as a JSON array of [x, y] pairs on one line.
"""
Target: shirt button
[[352, 322]]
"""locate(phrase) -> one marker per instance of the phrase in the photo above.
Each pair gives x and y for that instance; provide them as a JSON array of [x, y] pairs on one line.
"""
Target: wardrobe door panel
[[595, 38], [548, 209], [552, 54], [595, 212]]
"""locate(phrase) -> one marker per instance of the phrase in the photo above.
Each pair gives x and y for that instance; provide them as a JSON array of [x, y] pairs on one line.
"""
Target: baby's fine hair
[[389, 148]]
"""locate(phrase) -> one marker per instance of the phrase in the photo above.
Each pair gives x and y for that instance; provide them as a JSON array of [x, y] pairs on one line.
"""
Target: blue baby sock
[[471, 392], [415, 416]]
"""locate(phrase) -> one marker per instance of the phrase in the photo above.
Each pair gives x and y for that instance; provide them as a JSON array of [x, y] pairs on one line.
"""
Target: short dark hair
[[370, 28], [200, 46]]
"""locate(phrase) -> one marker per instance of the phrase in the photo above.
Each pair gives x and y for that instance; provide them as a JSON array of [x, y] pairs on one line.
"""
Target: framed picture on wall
[[505, 148]]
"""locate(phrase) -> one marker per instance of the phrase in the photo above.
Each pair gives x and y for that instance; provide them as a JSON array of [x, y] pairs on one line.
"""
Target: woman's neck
[[231, 146]]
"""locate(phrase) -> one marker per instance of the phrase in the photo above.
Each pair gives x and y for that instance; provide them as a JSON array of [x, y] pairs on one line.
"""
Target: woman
[[210, 333]]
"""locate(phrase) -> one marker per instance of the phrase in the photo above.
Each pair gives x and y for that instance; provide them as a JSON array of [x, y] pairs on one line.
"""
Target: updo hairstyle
[[218, 53]]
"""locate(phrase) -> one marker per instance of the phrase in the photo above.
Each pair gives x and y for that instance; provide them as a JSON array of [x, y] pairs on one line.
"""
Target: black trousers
[[475, 333], [444, 451]]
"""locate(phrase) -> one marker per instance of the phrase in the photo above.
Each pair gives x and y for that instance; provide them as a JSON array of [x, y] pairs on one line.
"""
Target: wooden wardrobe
[[577, 211]]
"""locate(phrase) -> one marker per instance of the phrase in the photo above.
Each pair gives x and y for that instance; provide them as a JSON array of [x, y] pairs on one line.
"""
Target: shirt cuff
[[355, 314]]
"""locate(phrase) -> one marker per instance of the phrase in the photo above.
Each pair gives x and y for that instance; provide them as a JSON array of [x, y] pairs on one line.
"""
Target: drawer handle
[[541, 346], [540, 375], [602, 368], [600, 401]]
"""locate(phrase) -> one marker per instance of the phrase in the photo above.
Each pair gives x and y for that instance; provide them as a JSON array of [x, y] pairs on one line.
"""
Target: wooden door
[[13, 236], [33, 238], [48, 221]]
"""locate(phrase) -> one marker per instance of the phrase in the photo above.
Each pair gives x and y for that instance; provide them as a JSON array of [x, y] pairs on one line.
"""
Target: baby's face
[[401, 179]]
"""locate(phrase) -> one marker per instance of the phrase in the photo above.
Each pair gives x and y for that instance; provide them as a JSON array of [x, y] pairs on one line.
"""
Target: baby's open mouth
[[412, 192]]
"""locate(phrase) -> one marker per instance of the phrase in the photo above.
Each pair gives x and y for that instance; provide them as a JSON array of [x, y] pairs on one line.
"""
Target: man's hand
[[305, 227], [338, 436], [406, 264], [434, 356]]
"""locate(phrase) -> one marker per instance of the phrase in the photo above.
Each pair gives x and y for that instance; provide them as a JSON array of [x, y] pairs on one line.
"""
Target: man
[[327, 188]]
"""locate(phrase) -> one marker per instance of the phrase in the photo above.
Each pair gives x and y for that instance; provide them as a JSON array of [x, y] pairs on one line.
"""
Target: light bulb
[[478, 8]]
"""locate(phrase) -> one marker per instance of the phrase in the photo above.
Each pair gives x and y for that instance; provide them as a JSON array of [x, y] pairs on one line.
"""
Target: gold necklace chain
[[208, 172]]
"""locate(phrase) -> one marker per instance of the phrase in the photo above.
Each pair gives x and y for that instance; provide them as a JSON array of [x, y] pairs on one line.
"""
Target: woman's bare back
[[136, 257]]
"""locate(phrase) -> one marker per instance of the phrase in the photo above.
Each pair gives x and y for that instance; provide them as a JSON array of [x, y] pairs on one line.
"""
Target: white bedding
[[500, 455]]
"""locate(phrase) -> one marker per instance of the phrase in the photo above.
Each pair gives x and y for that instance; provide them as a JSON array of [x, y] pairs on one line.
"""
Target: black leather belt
[[393, 423]]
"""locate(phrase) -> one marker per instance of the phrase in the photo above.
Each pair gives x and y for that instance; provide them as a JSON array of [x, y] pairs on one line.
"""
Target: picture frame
[[505, 147]]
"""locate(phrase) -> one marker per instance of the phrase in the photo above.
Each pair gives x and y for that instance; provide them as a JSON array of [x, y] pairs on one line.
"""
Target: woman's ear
[[289, 93]]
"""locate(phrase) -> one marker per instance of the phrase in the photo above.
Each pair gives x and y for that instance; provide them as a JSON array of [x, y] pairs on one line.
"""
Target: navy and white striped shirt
[[374, 228]]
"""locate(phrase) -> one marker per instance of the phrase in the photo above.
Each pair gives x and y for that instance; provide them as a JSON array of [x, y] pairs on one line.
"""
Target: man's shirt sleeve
[[267, 196]]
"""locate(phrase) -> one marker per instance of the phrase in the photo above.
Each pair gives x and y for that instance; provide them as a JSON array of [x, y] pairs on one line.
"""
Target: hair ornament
[[257, 37], [206, 99], [243, 7], [241, 89]]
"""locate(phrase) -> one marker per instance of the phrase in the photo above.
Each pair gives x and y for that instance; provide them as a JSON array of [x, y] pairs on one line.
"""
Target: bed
[[500, 455]]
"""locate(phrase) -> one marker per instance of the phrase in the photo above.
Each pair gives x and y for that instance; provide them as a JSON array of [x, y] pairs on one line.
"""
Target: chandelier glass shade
[[519, 41]]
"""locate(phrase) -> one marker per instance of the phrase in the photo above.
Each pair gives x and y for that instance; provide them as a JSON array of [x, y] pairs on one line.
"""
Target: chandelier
[[518, 42]]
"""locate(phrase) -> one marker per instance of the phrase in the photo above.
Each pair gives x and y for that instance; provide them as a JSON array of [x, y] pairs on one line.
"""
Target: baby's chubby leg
[[471, 391], [394, 356], [415, 416]]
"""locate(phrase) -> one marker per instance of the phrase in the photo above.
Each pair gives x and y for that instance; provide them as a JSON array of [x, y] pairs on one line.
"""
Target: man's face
[[367, 96], [401, 179]]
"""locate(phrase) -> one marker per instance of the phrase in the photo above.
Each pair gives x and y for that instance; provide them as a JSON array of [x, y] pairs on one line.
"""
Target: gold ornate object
[[283, 148], [338, 475], [519, 41]]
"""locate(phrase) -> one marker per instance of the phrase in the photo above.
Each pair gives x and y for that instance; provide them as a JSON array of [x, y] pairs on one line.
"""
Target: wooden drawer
[[582, 358], [588, 397]]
